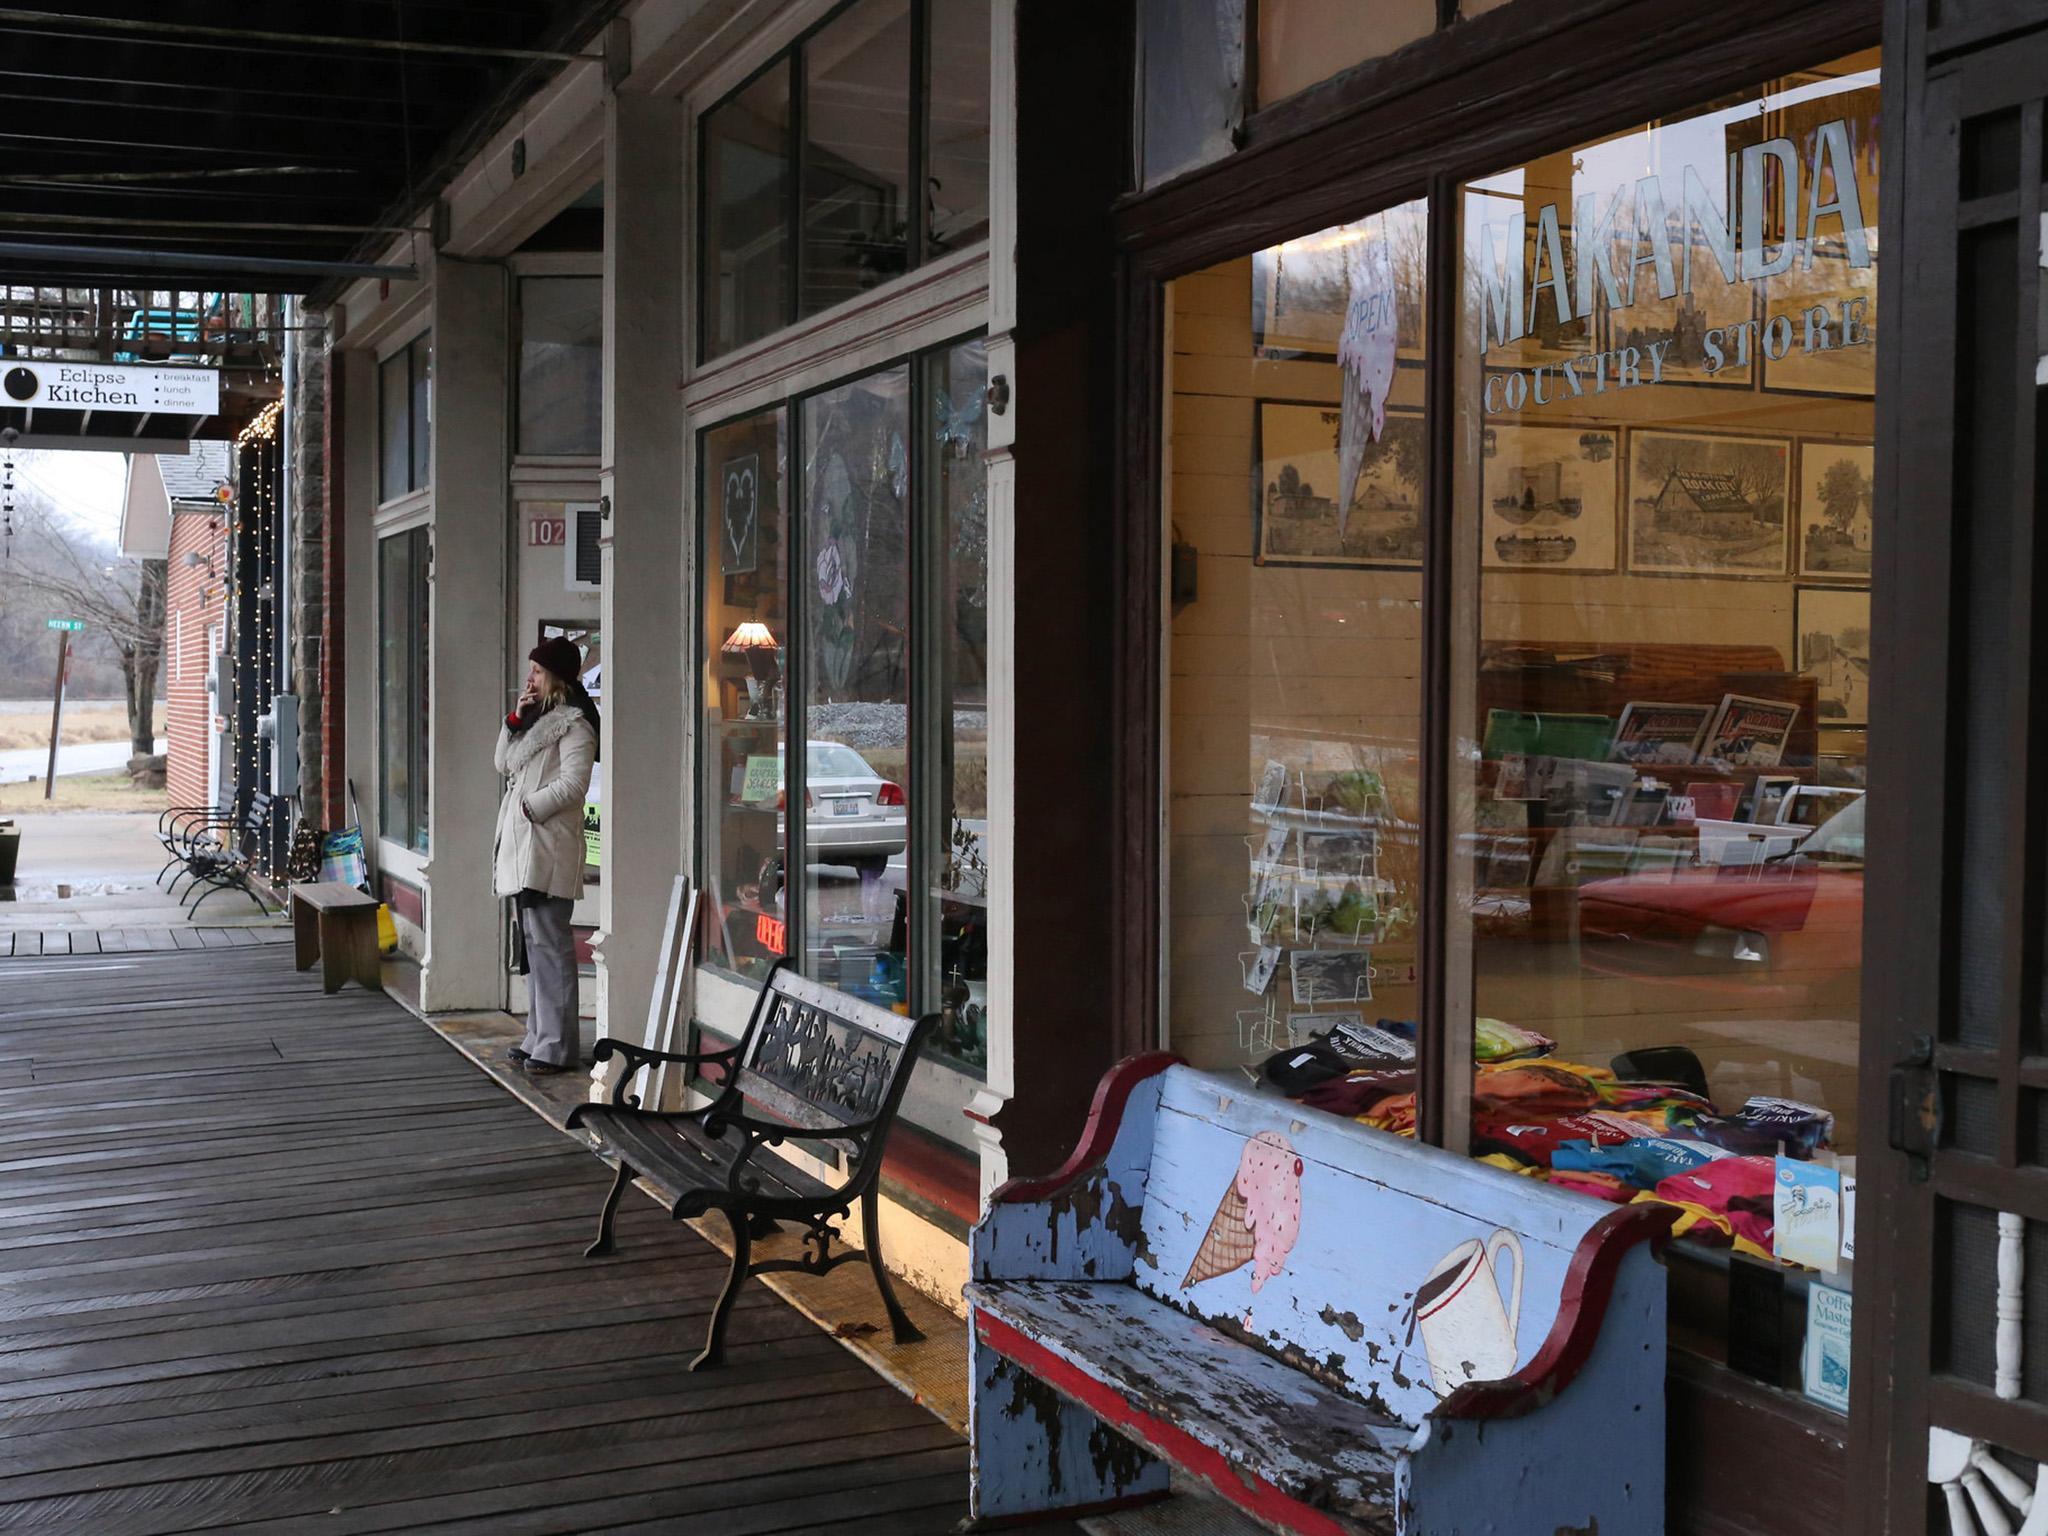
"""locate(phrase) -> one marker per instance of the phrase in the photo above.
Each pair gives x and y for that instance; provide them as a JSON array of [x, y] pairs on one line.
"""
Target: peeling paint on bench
[[1339, 1330]]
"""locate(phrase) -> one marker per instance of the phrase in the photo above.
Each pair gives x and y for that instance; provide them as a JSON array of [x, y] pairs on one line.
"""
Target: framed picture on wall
[[1549, 497], [1833, 624], [1705, 505], [1295, 517], [1832, 510], [1301, 289]]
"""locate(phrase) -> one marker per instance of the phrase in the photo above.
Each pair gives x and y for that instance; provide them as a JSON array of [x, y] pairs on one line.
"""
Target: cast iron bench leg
[[871, 1231], [742, 1255], [603, 1245]]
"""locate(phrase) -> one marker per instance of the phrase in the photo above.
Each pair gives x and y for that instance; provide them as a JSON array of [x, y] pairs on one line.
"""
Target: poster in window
[[1701, 505], [740, 515], [1836, 492], [1296, 519], [1549, 498], [1834, 650]]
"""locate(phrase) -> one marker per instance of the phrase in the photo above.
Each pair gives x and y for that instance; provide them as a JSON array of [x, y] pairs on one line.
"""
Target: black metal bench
[[224, 855], [822, 1068]]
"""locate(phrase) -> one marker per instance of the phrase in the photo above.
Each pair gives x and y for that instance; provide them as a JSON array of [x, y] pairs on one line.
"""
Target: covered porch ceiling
[[220, 144]]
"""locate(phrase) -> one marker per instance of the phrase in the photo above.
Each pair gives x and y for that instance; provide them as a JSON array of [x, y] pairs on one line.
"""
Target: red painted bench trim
[[1581, 1310], [1105, 1117], [1253, 1494]]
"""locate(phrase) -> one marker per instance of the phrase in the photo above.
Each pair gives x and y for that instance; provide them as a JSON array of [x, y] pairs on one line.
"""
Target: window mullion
[[920, 137], [1443, 1099], [796, 693]]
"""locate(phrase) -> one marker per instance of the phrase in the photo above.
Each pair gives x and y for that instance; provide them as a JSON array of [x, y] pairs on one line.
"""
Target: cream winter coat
[[547, 768]]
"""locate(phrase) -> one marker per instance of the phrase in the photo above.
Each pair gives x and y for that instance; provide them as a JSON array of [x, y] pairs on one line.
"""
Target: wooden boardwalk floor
[[283, 1263], [32, 943]]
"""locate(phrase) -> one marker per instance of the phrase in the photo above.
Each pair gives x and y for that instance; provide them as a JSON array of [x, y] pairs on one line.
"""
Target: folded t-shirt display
[[1582, 1128]]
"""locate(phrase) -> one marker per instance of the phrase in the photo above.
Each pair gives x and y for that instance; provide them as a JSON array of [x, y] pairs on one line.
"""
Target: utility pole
[[64, 628]]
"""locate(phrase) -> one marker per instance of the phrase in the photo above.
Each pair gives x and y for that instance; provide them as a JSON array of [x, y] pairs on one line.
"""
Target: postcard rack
[[1315, 905]]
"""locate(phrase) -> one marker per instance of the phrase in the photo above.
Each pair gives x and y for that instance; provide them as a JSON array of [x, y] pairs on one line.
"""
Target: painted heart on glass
[[741, 503]]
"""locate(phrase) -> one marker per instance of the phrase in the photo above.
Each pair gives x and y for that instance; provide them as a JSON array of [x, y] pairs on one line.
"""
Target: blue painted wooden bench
[[1338, 1330]]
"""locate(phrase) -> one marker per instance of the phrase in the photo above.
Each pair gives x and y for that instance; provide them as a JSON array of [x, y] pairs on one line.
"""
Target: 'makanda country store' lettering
[[1617, 239]]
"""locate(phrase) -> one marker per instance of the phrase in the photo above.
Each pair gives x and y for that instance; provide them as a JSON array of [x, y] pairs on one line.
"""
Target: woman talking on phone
[[545, 751]]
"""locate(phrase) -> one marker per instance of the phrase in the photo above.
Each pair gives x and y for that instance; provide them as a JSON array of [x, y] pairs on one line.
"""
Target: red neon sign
[[770, 933]]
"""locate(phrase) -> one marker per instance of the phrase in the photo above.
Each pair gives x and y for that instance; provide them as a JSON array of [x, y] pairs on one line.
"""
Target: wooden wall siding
[[285, 1262]]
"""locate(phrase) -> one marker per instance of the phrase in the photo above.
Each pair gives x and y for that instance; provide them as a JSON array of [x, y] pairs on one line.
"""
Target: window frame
[[926, 646], [790, 56]]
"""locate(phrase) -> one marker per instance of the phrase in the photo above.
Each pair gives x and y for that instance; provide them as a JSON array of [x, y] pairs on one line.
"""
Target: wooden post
[[57, 708]]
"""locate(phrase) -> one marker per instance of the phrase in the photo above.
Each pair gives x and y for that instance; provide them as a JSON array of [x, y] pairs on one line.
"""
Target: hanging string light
[[7, 504]]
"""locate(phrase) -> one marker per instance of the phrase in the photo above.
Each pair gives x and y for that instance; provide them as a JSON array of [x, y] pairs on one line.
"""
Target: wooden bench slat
[[331, 894], [1308, 1440], [680, 1160]]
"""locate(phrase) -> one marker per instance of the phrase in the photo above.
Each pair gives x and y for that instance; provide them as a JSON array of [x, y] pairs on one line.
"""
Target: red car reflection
[[1788, 931]]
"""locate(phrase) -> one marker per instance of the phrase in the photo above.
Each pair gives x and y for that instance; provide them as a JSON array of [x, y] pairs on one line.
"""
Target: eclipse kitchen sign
[[1777, 211], [111, 387]]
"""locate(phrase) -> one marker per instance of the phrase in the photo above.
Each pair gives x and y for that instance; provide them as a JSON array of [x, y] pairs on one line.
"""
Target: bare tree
[[120, 597]]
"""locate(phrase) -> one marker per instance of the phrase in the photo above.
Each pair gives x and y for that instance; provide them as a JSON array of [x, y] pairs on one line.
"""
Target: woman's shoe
[[517, 1057], [535, 1064]]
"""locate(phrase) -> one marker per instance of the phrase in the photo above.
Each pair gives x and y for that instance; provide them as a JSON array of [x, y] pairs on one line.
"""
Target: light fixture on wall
[[763, 654], [194, 560]]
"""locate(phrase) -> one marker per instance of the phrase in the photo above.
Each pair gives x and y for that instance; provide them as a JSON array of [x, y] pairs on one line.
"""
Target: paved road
[[83, 757]]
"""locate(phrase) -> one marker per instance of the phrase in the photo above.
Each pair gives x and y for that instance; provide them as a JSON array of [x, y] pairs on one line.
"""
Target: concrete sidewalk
[[108, 863]]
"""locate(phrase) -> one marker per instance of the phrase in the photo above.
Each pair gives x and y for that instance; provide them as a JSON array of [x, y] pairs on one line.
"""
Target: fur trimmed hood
[[542, 734]]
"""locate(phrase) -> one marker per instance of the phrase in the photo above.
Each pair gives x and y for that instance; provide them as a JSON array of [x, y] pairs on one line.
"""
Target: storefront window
[[746, 618], [402, 680], [857, 113], [855, 566], [1664, 507], [884, 637], [747, 170], [1302, 42], [951, 937], [895, 164], [1295, 648], [404, 419], [956, 126], [561, 364]]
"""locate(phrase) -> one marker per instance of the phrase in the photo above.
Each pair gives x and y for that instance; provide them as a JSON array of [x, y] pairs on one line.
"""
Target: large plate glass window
[[404, 419], [1665, 523], [950, 937], [856, 162], [561, 364], [1295, 486], [746, 629], [402, 679], [856, 155], [856, 683]]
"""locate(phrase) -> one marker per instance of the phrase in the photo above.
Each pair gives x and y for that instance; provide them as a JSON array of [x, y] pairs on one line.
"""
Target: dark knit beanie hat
[[561, 657]]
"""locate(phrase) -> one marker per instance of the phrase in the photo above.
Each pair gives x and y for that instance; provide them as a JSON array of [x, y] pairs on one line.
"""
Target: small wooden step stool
[[336, 924]]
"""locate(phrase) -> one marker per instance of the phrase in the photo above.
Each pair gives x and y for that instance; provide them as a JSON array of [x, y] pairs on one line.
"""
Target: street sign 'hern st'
[[72, 625]]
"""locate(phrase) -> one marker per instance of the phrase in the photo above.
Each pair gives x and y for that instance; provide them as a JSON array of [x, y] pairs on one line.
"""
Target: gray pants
[[550, 981]]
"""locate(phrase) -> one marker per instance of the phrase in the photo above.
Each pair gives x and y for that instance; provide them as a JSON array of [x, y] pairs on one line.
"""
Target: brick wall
[[192, 606]]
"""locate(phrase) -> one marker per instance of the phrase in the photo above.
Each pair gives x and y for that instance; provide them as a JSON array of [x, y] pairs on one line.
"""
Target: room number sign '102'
[[547, 532]]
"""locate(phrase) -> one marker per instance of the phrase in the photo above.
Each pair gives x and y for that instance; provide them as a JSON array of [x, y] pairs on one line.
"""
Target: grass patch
[[18, 732], [82, 792]]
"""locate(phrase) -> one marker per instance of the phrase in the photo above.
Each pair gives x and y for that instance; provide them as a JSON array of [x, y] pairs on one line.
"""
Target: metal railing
[[135, 325]]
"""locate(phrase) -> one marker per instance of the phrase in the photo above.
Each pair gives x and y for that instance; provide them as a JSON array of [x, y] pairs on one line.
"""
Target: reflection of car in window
[[1787, 932], [852, 815]]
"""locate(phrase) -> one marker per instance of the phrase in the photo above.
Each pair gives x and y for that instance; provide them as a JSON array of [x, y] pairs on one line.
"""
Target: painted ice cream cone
[[1227, 1245], [1258, 1217]]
